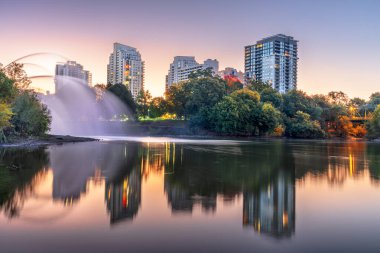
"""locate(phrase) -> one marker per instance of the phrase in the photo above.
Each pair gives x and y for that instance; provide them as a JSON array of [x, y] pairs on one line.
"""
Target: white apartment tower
[[183, 66], [71, 69], [126, 67]]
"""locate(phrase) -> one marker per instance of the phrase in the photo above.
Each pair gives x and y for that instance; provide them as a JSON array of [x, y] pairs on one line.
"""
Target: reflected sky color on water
[[172, 195]]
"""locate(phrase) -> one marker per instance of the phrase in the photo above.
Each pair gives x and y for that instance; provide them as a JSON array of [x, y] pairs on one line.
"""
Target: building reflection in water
[[193, 175], [271, 210], [124, 198]]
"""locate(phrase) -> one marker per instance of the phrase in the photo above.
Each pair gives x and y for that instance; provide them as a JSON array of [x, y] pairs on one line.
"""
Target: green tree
[[296, 100], [158, 107], [8, 90], [121, 91], [16, 73], [269, 120], [373, 125], [205, 92], [201, 73], [143, 101], [226, 116], [177, 97], [5, 116], [30, 116], [302, 126], [242, 113], [259, 86], [272, 96], [374, 101]]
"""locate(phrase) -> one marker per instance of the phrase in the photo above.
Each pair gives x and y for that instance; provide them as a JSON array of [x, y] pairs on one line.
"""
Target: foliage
[[122, 92], [201, 73], [177, 97], [30, 116], [187, 98], [258, 86], [373, 125], [302, 126], [16, 73], [272, 96], [158, 107], [143, 101], [296, 100], [338, 97], [226, 116], [374, 101], [270, 119], [5, 116], [21, 113], [8, 90], [344, 127], [242, 113]]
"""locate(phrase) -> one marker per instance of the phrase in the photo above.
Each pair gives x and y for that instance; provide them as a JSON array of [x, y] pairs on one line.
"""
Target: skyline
[[333, 39]]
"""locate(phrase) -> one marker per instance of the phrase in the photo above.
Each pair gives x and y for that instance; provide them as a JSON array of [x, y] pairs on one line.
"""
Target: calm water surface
[[170, 195]]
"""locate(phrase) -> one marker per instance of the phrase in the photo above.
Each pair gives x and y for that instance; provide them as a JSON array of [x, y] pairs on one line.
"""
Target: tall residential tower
[[273, 60], [126, 67]]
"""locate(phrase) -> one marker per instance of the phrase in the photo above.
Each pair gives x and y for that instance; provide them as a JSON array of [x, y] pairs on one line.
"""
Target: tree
[[296, 100], [158, 107], [373, 125], [30, 116], [226, 116], [242, 113], [302, 126], [345, 127], [177, 97], [269, 120], [374, 101], [5, 116], [357, 102], [204, 93], [259, 86], [272, 96], [16, 73], [201, 73], [143, 101], [121, 91], [338, 97], [8, 90]]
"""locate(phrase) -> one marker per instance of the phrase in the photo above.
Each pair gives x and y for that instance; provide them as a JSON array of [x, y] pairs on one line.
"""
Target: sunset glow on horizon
[[337, 39]]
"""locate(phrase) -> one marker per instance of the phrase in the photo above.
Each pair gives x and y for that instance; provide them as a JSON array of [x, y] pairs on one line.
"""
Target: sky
[[338, 39]]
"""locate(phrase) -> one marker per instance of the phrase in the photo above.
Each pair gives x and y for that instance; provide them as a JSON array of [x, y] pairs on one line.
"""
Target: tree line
[[256, 109]]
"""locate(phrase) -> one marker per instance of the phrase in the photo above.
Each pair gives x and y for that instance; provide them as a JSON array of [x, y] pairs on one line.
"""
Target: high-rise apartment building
[[273, 60], [126, 67], [183, 66], [71, 69]]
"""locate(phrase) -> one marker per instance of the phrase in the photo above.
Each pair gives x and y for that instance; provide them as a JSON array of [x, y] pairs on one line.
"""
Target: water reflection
[[264, 174], [20, 172]]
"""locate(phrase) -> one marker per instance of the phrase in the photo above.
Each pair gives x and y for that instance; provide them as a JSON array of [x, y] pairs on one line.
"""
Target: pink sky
[[338, 42]]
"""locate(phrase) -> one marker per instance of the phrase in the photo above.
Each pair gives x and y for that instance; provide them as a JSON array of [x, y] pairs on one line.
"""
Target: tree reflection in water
[[20, 171], [263, 173]]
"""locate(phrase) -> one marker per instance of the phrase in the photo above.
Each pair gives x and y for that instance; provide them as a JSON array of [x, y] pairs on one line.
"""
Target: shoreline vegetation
[[205, 106]]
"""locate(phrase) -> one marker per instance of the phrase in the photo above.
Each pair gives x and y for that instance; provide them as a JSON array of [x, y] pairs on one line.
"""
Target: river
[[175, 195]]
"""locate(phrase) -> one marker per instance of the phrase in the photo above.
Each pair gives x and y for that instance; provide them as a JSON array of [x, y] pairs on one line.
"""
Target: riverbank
[[44, 140]]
